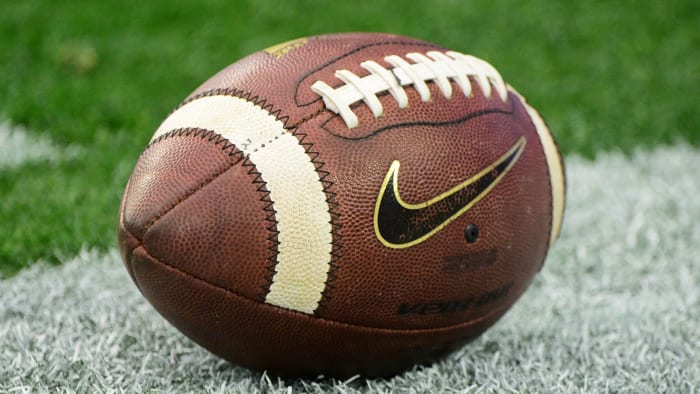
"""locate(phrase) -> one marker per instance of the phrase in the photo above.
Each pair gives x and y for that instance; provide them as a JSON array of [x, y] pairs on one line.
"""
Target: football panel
[[263, 336], [169, 171], [444, 279], [225, 233]]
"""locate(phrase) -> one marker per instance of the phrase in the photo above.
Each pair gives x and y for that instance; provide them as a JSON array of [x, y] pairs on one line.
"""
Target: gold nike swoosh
[[398, 224]]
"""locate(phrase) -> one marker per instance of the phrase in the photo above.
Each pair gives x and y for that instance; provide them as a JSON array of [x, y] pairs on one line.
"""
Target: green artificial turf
[[98, 77]]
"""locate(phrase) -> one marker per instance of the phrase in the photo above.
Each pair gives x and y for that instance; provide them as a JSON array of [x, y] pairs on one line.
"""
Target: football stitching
[[272, 228], [336, 225], [242, 94], [210, 135], [293, 129], [307, 118]]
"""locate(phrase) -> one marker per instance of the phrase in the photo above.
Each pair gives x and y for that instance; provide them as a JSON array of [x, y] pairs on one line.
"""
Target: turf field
[[84, 84]]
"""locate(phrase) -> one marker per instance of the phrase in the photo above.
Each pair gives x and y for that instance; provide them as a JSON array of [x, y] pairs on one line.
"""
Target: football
[[344, 204]]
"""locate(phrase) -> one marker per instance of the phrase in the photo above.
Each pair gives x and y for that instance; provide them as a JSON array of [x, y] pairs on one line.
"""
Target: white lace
[[437, 67]]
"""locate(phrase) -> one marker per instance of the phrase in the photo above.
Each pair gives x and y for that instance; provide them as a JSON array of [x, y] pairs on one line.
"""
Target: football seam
[[233, 293], [335, 222], [127, 254], [272, 238], [212, 136]]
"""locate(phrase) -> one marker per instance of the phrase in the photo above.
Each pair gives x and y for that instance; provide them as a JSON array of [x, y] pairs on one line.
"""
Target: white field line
[[614, 309], [18, 146]]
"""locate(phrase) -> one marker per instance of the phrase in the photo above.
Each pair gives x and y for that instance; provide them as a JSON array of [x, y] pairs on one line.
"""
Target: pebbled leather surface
[[288, 343], [197, 229]]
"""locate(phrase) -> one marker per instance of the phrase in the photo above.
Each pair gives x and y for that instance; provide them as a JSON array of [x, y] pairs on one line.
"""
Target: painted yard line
[[18, 146]]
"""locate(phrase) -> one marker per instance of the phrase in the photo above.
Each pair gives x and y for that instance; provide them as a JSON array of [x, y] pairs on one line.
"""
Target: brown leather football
[[343, 204]]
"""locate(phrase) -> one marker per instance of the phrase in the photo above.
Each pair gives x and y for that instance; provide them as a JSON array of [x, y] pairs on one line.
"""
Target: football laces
[[433, 66]]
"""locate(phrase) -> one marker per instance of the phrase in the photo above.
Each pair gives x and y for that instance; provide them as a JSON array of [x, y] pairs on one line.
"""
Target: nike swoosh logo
[[398, 224]]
